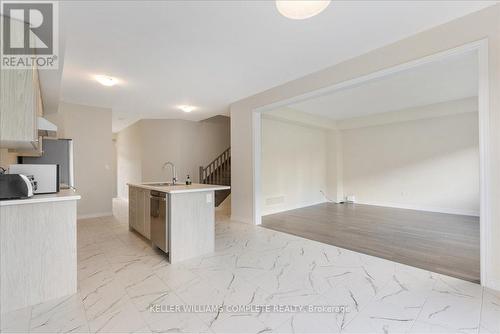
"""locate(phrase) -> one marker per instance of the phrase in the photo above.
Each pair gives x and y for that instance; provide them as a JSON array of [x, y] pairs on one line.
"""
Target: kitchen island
[[178, 219], [37, 249]]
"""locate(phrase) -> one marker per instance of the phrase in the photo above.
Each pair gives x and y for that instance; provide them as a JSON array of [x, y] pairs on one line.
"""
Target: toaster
[[15, 186]]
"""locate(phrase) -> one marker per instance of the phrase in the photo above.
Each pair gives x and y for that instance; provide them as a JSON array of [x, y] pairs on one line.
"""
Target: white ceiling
[[453, 78], [213, 53]]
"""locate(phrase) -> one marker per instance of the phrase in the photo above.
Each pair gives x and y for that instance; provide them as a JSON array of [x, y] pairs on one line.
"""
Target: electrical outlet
[[209, 198]]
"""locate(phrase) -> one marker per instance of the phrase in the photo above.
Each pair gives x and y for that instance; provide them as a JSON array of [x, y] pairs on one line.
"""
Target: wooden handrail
[[227, 151], [214, 171]]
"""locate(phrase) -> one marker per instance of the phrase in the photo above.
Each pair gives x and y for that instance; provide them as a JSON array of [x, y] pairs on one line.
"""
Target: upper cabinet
[[20, 101], [20, 106]]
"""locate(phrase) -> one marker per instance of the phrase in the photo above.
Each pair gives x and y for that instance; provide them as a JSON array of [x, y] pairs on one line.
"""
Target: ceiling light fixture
[[187, 108], [106, 80], [301, 9]]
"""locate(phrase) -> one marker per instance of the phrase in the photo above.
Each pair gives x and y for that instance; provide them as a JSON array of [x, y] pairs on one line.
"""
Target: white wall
[[430, 164], [145, 146], [187, 144], [334, 167], [424, 158], [90, 129], [471, 28], [294, 161], [128, 147]]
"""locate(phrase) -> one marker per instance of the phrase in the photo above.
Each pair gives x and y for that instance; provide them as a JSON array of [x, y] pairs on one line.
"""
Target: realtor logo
[[29, 34]]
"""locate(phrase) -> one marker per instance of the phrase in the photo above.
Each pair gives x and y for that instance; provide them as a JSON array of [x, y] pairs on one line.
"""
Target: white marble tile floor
[[120, 276]]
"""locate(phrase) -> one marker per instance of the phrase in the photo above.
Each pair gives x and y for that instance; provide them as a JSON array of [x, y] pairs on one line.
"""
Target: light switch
[[209, 198]]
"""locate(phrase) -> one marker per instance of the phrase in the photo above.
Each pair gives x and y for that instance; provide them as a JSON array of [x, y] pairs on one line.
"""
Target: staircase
[[218, 172]]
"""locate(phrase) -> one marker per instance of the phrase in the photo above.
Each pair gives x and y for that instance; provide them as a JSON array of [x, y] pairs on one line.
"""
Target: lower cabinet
[[139, 211], [132, 207]]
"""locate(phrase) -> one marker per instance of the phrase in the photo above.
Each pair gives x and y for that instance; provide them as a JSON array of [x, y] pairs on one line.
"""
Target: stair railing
[[214, 172]]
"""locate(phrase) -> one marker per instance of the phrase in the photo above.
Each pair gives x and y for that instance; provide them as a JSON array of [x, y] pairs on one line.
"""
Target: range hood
[[46, 128]]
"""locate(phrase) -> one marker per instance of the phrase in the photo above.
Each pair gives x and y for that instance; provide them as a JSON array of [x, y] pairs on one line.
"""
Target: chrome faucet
[[174, 173]]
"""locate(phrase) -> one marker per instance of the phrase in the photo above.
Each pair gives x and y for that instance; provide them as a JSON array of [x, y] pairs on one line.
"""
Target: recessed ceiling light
[[187, 108], [106, 80], [301, 9]]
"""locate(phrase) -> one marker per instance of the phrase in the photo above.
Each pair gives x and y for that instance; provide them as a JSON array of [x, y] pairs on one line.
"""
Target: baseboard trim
[[421, 208], [493, 285], [95, 215], [298, 206], [241, 220]]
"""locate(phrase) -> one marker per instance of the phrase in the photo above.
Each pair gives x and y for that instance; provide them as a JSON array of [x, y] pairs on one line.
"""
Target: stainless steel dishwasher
[[159, 220]]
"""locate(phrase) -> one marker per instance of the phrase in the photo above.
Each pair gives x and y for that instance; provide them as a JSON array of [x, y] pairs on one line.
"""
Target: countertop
[[63, 195], [179, 188]]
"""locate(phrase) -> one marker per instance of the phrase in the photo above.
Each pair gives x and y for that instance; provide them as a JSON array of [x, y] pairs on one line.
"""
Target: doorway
[[374, 209]]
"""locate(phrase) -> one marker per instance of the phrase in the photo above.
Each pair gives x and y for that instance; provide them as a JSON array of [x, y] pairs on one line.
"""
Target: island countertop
[[179, 188], [63, 195]]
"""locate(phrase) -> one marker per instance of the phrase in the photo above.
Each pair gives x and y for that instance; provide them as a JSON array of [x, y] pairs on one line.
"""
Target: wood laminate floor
[[442, 243]]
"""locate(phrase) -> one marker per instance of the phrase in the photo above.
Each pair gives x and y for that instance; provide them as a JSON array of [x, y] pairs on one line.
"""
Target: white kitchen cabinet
[[36, 147], [20, 105], [38, 250], [143, 212], [182, 221], [18, 110], [36, 151], [139, 211], [132, 207]]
